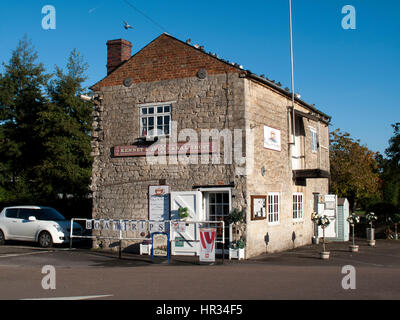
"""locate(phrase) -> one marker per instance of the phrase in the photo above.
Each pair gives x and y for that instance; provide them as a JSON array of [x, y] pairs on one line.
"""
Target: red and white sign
[[207, 244]]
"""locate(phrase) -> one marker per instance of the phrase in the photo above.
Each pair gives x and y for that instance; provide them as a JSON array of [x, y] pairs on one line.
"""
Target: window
[[12, 213], [273, 208], [24, 214], [314, 139], [297, 206], [155, 120]]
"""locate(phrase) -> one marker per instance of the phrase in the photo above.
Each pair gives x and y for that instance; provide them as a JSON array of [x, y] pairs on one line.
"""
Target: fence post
[[70, 233]]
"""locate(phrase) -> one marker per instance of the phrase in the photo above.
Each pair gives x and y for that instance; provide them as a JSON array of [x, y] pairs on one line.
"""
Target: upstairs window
[[155, 120], [314, 139]]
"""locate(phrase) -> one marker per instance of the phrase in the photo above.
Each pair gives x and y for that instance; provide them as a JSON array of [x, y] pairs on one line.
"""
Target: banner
[[207, 244]]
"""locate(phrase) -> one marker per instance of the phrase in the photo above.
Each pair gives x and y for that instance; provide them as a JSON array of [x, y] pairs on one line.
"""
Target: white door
[[328, 208], [27, 229], [186, 243]]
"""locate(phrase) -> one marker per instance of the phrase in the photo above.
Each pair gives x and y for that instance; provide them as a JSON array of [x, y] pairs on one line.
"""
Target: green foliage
[[354, 170], [390, 169], [236, 216], [183, 213], [44, 129]]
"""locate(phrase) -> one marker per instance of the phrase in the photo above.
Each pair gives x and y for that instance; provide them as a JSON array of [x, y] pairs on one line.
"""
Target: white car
[[44, 225]]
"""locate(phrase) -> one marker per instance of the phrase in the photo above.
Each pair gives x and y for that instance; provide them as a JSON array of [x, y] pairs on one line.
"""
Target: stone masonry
[[166, 71]]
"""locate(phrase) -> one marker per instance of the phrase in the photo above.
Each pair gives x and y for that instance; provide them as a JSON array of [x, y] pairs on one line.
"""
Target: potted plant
[[315, 239], [183, 213], [371, 217], [323, 222], [353, 219], [396, 221], [237, 219]]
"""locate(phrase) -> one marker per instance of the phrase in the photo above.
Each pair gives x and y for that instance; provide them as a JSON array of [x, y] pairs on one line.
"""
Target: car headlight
[[58, 228]]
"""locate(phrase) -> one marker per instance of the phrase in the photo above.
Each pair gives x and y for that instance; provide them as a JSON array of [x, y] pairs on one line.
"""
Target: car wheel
[[2, 239], [45, 240]]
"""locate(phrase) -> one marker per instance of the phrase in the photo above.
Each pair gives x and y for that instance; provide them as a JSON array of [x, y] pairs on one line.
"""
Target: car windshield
[[49, 214]]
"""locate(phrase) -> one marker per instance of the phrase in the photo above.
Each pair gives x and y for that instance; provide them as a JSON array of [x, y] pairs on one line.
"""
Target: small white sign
[[272, 138], [134, 225], [89, 224], [96, 225], [106, 225], [180, 226]]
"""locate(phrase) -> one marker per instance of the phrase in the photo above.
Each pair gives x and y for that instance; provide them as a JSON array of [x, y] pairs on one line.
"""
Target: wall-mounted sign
[[272, 138], [207, 244], [160, 245], [258, 207], [165, 149], [159, 203]]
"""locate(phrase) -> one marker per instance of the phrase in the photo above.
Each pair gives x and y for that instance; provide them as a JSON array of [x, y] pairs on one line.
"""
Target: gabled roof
[[164, 66]]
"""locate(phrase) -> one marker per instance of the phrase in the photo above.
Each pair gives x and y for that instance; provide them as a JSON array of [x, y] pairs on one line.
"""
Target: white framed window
[[297, 206], [273, 207], [314, 139], [155, 120]]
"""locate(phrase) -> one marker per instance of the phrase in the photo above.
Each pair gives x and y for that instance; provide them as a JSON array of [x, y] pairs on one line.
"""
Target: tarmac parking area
[[294, 274]]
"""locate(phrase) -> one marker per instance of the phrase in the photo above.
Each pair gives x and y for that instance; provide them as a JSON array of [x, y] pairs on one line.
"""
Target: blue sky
[[351, 75]]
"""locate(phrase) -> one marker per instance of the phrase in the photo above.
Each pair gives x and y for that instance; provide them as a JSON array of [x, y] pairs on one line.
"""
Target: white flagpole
[[292, 71]]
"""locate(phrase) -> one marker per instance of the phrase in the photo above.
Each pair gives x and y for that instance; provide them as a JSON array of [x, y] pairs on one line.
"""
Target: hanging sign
[[96, 225], [89, 224], [180, 226], [106, 224], [159, 202], [207, 244], [156, 226], [160, 245]]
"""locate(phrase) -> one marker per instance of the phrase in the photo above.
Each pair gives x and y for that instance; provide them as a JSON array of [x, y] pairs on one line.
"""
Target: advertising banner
[[207, 244]]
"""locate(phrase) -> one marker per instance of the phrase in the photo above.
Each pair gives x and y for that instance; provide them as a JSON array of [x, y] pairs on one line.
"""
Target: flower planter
[[324, 255], [236, 253], [315, 240], [353, 248], [371, 243], [370, 234]]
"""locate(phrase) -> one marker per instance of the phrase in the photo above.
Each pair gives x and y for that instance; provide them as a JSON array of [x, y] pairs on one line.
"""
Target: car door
[[10, 222], [25, 229]]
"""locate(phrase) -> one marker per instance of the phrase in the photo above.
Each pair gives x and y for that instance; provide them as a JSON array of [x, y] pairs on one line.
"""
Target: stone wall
[[120, 185]]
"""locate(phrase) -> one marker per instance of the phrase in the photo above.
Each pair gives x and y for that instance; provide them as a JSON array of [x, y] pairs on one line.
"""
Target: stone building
[[273, 174]]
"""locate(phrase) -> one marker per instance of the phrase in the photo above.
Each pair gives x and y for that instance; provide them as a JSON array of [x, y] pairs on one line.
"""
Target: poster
[[272, 138], [160, 245], [207, 244], [159, 203]]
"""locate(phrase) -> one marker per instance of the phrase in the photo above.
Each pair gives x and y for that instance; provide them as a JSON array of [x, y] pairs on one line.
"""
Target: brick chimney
[[118, 51]]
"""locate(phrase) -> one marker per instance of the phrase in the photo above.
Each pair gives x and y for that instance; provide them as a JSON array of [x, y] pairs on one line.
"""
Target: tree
[[390, 169], [354, 170], [65, 167], [21, 100]]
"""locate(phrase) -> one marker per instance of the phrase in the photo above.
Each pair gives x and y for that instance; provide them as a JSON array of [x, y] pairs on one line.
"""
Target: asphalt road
[[295, 274]]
